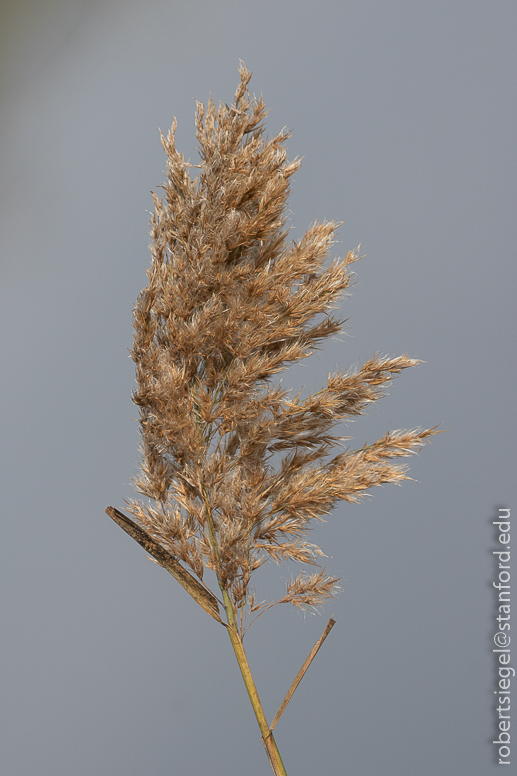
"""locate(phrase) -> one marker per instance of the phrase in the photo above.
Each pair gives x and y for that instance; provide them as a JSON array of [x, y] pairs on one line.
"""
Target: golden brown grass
[[235, 469]]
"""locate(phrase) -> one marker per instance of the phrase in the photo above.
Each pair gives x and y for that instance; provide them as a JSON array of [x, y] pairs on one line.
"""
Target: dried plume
[[234, 468], [229, 304]]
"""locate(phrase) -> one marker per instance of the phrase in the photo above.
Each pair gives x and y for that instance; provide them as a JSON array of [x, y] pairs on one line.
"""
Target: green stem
[[238, 647], [267, 736]]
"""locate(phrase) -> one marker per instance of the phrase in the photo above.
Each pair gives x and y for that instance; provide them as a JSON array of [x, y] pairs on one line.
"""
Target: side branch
[[199, 593], [302, 672]]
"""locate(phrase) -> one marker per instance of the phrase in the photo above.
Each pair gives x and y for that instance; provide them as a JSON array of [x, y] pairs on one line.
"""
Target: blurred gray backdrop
[[405, 114]]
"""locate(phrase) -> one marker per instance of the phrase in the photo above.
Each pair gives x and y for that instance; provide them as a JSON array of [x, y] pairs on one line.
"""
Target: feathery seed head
[[229, 304]]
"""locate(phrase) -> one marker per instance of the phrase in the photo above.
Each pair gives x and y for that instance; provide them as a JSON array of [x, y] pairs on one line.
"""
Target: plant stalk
[[268, 739], [238, 647]]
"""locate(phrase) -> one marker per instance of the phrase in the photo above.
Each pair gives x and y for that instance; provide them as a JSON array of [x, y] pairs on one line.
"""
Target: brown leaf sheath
[[199, 593]]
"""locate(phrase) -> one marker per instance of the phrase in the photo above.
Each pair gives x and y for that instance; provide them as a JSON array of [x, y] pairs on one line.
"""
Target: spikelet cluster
[[235, 467]]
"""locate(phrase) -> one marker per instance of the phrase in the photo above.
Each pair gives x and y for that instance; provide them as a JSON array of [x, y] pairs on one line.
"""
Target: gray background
[[405, 114]]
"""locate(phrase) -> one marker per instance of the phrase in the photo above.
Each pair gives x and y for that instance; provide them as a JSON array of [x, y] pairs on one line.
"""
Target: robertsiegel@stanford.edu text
[[502, 637]]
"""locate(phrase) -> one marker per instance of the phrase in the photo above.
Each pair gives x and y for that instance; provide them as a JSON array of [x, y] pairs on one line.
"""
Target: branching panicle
[[236, 467]]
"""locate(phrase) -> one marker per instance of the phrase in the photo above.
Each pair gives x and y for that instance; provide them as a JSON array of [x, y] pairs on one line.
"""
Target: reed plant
[[234, 468]]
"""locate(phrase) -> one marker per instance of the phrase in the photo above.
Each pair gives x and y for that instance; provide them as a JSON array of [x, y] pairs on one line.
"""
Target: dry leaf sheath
[[234, 468]]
